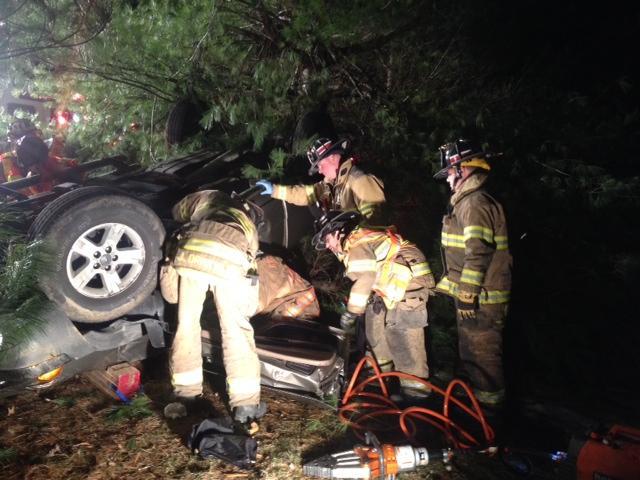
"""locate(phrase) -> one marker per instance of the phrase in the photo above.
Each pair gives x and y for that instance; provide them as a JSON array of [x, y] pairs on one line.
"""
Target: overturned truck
[[105, 233]]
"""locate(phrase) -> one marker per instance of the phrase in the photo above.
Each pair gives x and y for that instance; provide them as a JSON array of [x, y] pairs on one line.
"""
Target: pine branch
[[16, 10]]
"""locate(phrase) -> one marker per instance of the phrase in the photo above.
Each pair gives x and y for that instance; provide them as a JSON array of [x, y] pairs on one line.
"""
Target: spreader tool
[[374, 461]]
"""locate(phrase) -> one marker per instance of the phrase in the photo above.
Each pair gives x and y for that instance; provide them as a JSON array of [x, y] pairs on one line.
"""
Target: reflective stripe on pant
[[480, 348], [236, 301], [398, 335], [186, 351]]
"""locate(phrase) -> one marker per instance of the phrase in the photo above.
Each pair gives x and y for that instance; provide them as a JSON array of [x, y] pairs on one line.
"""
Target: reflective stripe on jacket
[[10, 169], [219, 240], [381, 261], [475, 245], [352, 190], [12, 172]]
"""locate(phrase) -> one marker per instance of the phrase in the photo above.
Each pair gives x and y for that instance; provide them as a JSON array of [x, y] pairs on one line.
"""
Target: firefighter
[[281, 292], [10, 166], [30, 155], [343, 187], [216, 251], [477, 270], [391, 287]]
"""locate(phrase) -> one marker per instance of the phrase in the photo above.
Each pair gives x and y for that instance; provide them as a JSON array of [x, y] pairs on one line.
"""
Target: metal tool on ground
[[374, 461]]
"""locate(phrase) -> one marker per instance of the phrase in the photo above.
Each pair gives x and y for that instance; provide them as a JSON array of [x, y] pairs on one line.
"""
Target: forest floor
[[73, 431]]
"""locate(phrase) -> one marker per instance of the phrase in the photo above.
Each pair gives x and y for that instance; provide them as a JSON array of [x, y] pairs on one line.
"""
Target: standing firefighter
[[477, 270], [216, 251], [391, 288], [344, 185]]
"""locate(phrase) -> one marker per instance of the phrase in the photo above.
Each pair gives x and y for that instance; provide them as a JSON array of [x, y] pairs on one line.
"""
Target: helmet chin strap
[[457, 178]]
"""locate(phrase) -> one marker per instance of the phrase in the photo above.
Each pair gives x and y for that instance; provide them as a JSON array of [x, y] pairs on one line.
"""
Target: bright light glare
[[61, 120]]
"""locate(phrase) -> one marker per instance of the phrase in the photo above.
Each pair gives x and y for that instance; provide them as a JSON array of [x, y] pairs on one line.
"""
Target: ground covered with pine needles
[[73, 431]]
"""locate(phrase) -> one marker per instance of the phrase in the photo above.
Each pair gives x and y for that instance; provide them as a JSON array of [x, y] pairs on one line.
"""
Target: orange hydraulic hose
[[359, 408]]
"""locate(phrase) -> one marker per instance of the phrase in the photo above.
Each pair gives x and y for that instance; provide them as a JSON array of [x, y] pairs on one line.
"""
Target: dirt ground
[[73, 431]]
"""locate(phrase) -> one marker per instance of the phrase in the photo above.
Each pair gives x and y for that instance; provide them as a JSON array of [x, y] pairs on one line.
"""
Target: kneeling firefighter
[[392, 280]]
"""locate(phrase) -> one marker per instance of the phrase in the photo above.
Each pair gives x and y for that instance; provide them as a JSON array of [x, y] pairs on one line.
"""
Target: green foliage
[[327, 426], [276, 168], [139, 407], [22, 305], [7, 455]]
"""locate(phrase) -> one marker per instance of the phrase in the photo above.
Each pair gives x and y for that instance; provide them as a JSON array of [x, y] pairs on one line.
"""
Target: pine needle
[[139, 407]]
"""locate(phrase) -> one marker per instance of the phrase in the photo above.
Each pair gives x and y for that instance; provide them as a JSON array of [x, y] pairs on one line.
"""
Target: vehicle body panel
[[61, 343]]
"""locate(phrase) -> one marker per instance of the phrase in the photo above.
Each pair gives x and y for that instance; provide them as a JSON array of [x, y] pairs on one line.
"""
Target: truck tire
[[106, 247], [183, 121]]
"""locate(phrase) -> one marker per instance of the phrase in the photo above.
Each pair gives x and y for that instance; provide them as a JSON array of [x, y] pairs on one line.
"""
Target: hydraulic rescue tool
[[375, 461]]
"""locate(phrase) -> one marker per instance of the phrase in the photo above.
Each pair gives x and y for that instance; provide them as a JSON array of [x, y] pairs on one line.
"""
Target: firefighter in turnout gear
[[11, 166], [477, 273], [344, 186], [391, 287], [30, 155], [216, 250]]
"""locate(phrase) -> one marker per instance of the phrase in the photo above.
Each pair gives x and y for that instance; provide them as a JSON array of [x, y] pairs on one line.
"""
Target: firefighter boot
[[181, 406], [246, 413]]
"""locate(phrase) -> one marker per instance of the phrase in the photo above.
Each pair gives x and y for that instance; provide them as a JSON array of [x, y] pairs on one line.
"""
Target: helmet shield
[[334, 221], [20, 128], [322, 148], [458, 152]]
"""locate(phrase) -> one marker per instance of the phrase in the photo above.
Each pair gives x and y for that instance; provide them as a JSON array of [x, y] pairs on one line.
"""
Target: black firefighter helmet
[[334, 221], [461, 153], [322, 148]]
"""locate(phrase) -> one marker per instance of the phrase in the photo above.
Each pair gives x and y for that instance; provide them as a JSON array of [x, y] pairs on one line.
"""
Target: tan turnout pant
[[236, 301], [397, 337]]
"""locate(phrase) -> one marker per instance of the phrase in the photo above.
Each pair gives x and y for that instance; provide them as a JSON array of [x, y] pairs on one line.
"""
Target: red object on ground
[[615, 455], [126, 378]]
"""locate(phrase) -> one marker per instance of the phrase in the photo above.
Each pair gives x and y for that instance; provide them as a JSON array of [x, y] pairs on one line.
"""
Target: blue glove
[[266, 185]]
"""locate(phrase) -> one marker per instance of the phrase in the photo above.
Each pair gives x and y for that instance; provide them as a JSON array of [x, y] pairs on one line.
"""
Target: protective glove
[[267, 187], [466, 305], [348, 322]]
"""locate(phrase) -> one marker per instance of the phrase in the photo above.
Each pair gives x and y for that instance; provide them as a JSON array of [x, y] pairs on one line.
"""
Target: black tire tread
[[49, 213], [183, 121]]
